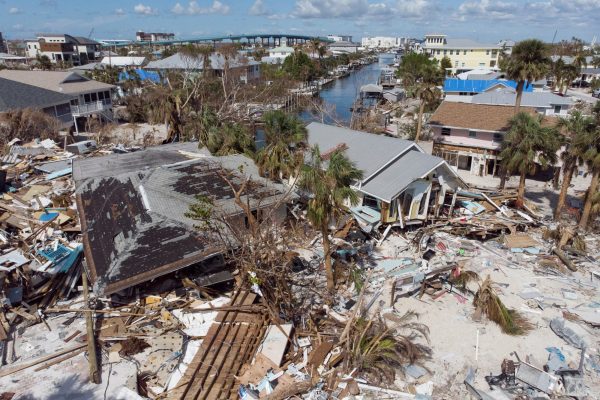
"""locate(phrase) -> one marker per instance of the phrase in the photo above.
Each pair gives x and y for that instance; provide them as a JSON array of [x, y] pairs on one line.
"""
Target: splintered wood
[[230, 343]]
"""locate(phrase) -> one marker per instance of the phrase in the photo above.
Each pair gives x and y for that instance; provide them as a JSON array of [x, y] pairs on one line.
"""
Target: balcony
[[91, 108]]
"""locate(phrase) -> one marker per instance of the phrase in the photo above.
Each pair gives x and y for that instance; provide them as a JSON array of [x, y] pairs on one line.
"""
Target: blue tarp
[[479, 86], [142, 74]]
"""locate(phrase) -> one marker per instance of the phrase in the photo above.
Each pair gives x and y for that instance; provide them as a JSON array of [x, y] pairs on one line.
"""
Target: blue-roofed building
[[471, 87], [140, 74]]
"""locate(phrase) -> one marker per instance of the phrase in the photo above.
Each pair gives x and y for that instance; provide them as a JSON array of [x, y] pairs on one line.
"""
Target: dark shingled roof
[[132, 209], [16, 95]]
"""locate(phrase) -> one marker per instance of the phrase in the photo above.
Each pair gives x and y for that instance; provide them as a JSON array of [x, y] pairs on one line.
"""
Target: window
[[371, 202], [498, 137], [451, 52], [446, 131], [494, 53], [439, 51], [101, 96], [87, 98], [456, 64], [487, 52], [557, 109], [472, 134], [445, 51], [94, 97], [465, 53]]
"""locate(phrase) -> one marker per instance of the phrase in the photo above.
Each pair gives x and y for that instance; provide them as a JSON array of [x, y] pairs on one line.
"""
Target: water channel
[[339, 96]]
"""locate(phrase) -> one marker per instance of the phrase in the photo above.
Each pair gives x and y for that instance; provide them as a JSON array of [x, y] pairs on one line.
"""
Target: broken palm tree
[[486, 301], [378, 352]]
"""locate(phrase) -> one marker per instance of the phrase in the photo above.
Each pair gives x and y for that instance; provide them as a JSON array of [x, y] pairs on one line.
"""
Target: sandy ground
[[453, 331]]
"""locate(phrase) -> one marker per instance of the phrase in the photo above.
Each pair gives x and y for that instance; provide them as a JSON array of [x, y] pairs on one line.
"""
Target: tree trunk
[[420, 121], [503, 175], [562, 197], [587, 207], [521, 192], [327, 251], [520, 87], [556, 177]]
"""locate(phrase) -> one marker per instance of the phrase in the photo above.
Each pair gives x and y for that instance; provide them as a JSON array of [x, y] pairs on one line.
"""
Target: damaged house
[[133, 210], [401, 184]]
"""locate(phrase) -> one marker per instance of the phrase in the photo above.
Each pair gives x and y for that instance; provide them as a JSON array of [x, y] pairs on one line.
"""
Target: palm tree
[[285, 135], [557, 70], [420, 77], [591, 142], [230, 139], [527, 63], [525, 145], [570, 73], [575, 126], [428, 93], [329, 185]]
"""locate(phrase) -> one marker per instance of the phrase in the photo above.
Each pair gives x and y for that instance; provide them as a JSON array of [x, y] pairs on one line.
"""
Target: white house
[[281, 52], [77, 50]]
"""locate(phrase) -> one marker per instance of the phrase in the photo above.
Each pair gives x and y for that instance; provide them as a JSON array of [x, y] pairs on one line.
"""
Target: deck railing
[[90, 108]]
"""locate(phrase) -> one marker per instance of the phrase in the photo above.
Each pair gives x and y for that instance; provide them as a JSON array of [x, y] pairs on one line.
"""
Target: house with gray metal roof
[[401, 184], [17, 96], [545, 103], [247, 69], [88, 96], [133, 210]]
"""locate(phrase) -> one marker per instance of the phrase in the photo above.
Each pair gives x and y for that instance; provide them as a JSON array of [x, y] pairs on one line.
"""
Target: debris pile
[[487, 300]]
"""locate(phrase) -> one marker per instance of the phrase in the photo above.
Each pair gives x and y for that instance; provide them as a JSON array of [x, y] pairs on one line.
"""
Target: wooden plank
[[16, 368]]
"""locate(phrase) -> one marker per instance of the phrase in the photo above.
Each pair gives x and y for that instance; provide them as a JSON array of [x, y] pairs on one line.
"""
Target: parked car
[[596, 93]]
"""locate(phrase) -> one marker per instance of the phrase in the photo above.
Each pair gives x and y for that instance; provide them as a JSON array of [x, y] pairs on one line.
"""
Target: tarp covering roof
[[479, 86]]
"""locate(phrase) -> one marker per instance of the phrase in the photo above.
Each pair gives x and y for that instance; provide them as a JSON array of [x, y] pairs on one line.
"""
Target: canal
[[338, 97]]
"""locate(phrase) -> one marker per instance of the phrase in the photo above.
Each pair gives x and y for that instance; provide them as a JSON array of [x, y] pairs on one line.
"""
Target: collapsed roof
[[133, 209]]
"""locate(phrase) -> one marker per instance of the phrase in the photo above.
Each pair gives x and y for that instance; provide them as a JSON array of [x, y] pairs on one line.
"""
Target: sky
[[483, 20]]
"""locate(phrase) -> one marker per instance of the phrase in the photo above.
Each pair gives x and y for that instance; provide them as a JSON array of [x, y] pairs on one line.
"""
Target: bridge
[[263, 38]]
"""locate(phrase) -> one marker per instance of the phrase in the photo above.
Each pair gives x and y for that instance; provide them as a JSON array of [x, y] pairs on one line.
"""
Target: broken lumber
[[91, 339], [59, 359], [16, 368], [563, 257]]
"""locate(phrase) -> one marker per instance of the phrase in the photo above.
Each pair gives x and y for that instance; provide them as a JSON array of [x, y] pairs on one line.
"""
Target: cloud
[[145, 10], [193, 8], [486, 9], [414, 8], [330, 8], [119, 11], [14, 10], [258, 8]]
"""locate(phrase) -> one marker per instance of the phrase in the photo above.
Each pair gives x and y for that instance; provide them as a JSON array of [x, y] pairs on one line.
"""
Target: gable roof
[[479, 86], [392, 181], [67, 82], [369, 152], [16, 95], [483, 117], [179, 61], [133, 206], [389, 164], [532, 99]]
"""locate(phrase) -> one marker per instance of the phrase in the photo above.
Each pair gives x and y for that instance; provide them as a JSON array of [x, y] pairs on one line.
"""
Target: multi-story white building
[[384, 42], [340, 38], [61, 47]]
